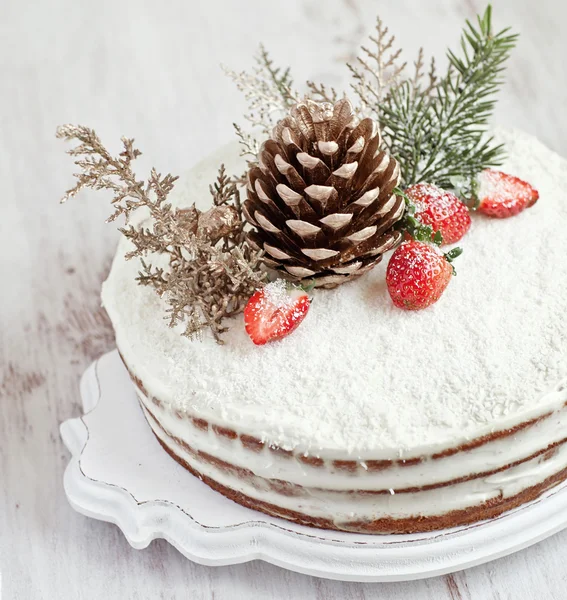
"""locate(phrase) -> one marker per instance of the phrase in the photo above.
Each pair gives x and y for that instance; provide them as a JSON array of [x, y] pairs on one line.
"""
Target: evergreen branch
[[439, 133], [282, 81], [268, 91], [435, 126]]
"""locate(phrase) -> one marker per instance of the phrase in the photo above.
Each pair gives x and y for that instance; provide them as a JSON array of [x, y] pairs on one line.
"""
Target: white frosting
[[362, 378], [343, 508], [482, 460]]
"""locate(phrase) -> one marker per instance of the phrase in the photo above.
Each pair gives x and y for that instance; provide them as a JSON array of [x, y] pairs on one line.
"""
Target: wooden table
[[151, 70]]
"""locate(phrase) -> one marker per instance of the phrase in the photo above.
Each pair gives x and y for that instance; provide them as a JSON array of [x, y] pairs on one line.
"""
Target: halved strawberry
[[501, 195], [275, 311], [440, 209], [418, 273]]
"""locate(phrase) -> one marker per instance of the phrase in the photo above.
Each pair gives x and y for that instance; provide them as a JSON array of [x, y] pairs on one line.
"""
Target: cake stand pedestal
[[119, 473]]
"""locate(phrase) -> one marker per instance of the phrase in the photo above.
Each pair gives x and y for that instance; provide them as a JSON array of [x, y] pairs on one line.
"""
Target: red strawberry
[[274, 312], [440, 209], [501, 195], [418, 273]]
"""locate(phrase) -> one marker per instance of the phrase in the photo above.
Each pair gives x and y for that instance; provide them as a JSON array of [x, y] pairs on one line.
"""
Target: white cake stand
[[119, 473]]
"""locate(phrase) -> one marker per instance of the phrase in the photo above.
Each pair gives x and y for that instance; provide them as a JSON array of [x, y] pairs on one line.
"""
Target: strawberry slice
[[440, 209], [275, 311], [501, 195]]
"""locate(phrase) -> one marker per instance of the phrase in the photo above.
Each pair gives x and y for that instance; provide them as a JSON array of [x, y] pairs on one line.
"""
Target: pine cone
[[320, 200]]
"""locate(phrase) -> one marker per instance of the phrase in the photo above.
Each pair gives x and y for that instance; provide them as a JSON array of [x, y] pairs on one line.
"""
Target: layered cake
[[300, 327], [370, 418]]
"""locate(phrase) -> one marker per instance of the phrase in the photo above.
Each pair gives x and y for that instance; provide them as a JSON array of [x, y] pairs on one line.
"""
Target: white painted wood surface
[[150, 70]]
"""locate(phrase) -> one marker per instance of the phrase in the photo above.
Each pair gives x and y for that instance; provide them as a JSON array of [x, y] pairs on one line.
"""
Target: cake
[[369, 418], [296, 336]]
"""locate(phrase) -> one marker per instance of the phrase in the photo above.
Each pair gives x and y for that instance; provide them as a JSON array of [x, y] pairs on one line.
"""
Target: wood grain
[[151, 70]]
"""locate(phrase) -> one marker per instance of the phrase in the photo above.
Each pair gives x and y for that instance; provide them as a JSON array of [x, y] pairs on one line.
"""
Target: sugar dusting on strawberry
[[274, 311], [418, 274], [440, 209], [501, 195]]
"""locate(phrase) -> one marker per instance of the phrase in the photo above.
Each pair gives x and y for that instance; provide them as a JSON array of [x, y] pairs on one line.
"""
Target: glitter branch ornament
[[435, 124], [210, 271], [321, 197]]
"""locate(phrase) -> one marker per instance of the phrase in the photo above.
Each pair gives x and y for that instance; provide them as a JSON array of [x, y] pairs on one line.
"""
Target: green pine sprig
[[439, 133], [269, 92], [436, 126]]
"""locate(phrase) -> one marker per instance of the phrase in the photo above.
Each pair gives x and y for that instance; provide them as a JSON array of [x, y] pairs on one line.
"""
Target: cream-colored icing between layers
[[362, 379], [485, 458], [327, 493]]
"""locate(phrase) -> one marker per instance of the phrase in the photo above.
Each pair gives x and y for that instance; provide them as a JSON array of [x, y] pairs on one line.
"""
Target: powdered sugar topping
[[276, 293], [362, 376]]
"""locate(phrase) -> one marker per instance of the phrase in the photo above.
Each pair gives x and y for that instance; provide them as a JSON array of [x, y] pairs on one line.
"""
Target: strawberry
[[441, 210], [501, 195], [418, 273], [275, 311]]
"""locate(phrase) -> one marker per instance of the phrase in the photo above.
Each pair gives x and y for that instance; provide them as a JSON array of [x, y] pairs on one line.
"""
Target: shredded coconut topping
[[360, 375], [277, 295]]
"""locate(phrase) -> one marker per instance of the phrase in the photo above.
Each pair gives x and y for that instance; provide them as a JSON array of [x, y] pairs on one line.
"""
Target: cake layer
[[488, 510], [370, 418], [362, 380], [482, 457], [357, 496], [388, 511]]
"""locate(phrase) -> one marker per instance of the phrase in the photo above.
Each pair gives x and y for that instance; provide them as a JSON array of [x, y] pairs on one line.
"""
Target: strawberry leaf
[[413, 226], [451, 255]]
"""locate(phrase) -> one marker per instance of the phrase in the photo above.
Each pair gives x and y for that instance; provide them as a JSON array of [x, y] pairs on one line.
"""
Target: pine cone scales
[[320, 199]]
